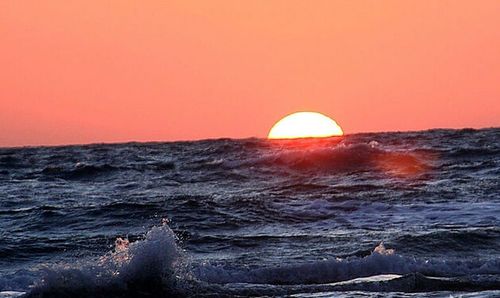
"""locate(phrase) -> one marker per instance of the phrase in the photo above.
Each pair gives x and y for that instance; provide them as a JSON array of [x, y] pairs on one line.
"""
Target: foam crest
[[11, 294], [157, 256], [16, 282], [154, 264], [380, 261]]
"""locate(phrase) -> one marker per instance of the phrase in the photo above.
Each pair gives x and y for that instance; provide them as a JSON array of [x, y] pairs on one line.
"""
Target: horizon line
[[220, 138]]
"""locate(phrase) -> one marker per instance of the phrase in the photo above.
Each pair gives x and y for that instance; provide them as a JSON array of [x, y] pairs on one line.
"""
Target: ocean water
[[413, 214]]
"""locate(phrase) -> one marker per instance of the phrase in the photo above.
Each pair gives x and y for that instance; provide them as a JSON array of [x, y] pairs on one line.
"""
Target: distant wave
[[10, 161], [348, 158], [79, 171], [84, 171]]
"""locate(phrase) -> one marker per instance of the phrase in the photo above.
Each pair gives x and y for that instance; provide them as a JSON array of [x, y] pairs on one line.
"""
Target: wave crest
[[350, 157], [380, 261], [152, 265]]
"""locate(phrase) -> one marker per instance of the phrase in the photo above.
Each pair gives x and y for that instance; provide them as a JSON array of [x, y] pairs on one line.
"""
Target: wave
[[11, 162], [380, 261], [151, 265], [456, 241], [470, 153], [80, 171], [154, 165], [477, 286], [157, 266], [348, 158]]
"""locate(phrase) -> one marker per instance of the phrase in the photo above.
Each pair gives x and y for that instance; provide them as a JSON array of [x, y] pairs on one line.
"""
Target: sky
[[114, 71]]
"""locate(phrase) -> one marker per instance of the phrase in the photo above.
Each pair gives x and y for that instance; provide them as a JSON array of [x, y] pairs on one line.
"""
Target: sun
[[305, 125]]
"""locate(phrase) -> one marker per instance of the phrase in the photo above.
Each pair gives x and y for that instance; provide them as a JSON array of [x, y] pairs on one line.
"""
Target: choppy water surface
[[366, 215]]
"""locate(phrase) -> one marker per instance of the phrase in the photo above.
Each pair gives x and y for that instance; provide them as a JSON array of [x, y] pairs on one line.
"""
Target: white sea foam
[[380, 261], [154, 261], [11, 294], [157, 263]]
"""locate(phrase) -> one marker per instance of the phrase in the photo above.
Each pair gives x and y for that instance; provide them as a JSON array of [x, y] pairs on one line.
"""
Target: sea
[[397, 214]]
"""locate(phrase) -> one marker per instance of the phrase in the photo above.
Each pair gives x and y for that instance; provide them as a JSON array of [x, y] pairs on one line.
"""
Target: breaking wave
[[157, 266], [380, 261], [152, 265]]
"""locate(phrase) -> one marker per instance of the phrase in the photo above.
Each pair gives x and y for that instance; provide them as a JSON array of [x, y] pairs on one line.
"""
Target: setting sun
[[305, 125]]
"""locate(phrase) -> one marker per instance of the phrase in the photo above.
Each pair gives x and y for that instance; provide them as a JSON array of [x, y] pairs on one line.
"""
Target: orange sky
[[108, 71]]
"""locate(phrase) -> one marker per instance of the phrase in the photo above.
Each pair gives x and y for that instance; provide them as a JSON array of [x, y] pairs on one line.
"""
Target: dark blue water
[[414, 213]]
